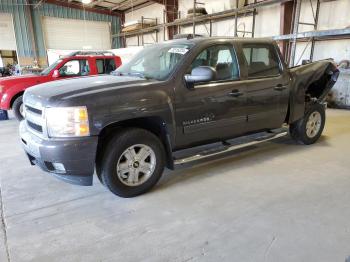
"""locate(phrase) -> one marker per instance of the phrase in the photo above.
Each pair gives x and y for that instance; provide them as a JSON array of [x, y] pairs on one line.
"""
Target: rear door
[[267, 86]]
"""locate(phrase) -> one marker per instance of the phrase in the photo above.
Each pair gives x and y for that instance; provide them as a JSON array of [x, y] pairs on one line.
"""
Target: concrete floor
[[277, 202]]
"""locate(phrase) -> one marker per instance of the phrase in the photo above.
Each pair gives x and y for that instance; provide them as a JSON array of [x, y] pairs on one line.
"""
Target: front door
[[214, 110]]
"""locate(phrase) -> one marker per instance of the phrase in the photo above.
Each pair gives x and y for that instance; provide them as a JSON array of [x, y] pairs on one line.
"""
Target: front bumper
[[72, 160]]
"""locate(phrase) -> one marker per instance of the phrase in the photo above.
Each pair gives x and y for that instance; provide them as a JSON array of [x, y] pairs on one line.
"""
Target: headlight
[[1, 88], [67, 121]]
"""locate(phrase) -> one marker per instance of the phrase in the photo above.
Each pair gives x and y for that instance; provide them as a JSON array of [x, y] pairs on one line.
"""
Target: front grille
[[34, 110], [34, 118]]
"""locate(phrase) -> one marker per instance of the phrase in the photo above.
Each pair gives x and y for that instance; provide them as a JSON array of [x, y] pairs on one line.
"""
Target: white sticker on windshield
[[178, 50]]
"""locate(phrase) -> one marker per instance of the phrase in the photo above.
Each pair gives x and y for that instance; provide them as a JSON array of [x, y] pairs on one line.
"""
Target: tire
[[122, 157], [308, 129], [17, 107]]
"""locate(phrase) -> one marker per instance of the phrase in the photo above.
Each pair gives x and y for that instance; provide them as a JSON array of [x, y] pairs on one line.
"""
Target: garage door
[[7, 33], [60, 33]]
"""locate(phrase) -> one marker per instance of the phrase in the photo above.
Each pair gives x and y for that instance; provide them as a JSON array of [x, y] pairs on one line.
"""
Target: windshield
[[46, 71], [155, 62]]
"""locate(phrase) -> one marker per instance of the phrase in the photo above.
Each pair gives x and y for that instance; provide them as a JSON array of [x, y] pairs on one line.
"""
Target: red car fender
[[9, 94]]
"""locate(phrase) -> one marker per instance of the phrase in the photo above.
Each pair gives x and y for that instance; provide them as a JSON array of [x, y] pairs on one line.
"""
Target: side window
[[75, 68], [110, 66], [100, 66], [261, 60], [220, 57], [105, 66]]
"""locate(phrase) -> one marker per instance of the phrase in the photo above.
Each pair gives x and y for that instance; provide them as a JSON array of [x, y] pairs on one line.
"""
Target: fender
[[311, 81], [9, 94], [18, 84]]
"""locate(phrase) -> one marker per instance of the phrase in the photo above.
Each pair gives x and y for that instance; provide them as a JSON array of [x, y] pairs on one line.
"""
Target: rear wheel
[[132, 162], [18, 107], [308, 129]]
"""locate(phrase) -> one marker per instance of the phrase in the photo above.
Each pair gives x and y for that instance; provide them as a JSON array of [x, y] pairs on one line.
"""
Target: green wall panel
[[23, 14]]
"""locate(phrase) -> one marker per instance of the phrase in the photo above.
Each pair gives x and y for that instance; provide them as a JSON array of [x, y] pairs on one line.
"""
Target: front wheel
[[132, 162], [308, 129], [17, 108]]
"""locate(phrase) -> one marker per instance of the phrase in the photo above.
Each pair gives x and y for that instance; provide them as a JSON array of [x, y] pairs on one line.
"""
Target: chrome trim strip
[[34, 118], [227, 149], [204, 126], [33, 131], [38, 119], [33, 106]]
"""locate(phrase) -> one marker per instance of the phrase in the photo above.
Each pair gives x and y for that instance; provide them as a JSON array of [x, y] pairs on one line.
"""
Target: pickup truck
[[76, 64], [175, 103]]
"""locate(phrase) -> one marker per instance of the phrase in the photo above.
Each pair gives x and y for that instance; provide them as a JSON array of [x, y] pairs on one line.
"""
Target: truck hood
[[59, 92]]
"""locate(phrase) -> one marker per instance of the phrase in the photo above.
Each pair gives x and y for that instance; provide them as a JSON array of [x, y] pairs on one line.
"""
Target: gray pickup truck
[[174, 103]]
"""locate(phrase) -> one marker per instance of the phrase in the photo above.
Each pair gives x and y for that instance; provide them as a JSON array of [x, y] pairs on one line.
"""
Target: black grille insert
[[35, 126], [34, 110]]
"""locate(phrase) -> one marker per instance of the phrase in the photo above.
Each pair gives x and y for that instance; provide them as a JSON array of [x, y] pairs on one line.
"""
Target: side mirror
[[56, 74], [200, 74]]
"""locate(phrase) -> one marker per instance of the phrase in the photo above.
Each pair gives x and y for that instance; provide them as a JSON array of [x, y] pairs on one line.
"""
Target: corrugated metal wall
[[24, 13], [20, 13]]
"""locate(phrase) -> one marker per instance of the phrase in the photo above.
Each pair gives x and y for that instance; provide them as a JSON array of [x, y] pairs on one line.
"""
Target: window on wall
[[222, 58], [261, 60]]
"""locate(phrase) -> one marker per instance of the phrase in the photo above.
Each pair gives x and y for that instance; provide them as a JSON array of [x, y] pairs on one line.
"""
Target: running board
[[227, 148]]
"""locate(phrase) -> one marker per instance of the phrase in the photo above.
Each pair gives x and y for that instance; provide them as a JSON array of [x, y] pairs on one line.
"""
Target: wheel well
[[155, 125], [317, 88], [288, 114], [15, 97]]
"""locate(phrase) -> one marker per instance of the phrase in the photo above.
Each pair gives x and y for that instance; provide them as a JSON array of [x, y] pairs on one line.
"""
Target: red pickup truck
[[76, 64]]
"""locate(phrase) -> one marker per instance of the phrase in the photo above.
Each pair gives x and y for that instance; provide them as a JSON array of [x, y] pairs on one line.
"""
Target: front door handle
[[235, 93], [279, 87]]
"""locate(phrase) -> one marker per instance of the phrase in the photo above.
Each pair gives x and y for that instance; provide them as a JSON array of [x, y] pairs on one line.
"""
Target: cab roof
[[201, 39]]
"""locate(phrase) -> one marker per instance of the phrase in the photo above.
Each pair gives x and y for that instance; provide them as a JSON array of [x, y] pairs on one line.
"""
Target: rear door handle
[[279, 87], [235, 93]]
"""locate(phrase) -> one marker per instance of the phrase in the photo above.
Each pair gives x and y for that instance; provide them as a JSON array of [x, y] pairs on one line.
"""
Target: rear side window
[[262, 60], [105, 66]]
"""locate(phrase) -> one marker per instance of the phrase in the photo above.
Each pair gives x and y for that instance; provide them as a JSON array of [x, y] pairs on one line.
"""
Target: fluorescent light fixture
[[86, 2]]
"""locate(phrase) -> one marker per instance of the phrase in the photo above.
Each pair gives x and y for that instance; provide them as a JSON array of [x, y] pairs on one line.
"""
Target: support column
[[171, 9], [295, 32], [286, 26]]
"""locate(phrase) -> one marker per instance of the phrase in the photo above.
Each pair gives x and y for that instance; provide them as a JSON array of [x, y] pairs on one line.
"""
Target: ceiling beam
[[39, 3], [81, 7], [93, 3], [158, 1], [121, 4], [138, 6]]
